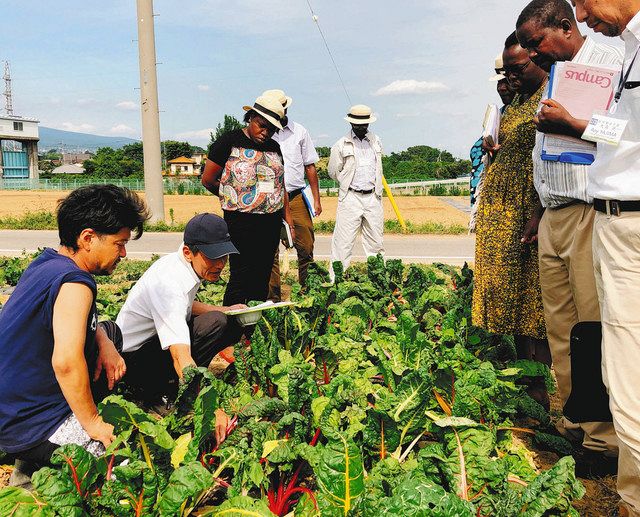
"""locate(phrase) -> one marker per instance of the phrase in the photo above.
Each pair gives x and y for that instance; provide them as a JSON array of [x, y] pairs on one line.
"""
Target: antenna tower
[[7, 89]]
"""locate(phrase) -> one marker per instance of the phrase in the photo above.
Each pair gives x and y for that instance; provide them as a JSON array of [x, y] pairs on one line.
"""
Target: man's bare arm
[[312, 176], [199, 308], [70, 313]]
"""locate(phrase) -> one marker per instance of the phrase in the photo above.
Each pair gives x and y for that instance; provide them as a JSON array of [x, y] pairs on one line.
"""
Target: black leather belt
[[613, 207], [371, 191], [294, 193]]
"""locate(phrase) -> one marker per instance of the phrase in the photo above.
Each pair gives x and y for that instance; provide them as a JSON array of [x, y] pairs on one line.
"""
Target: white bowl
[[251, 315], [249, 318]]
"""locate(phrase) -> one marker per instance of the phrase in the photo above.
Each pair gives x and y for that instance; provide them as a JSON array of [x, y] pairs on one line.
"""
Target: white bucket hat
[[280, 95], [360, 114], [499, 65], [270, 108]]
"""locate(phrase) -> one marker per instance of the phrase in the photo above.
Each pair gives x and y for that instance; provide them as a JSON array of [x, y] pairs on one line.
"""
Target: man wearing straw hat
[[300, 157], [356, 164]]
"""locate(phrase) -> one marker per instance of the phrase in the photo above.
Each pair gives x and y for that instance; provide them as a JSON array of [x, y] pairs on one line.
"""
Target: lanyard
[[623, 79]]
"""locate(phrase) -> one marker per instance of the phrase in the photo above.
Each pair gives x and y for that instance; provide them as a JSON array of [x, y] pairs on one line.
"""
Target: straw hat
[[499, 65], [360, 114], [270, 108], [280, 95]]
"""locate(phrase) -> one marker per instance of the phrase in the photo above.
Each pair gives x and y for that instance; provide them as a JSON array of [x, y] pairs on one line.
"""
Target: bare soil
[[416, 209]]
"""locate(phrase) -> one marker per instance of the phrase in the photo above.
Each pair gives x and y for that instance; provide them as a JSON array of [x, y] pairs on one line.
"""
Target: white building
[[182, 166], [19, 145]]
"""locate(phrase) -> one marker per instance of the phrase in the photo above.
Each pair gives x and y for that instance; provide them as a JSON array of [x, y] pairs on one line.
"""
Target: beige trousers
[[569, 296], [357, 214], [616, 258], [303, 243]]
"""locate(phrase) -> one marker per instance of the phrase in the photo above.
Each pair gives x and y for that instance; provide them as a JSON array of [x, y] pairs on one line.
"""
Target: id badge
[[605, 128], [266, 187]]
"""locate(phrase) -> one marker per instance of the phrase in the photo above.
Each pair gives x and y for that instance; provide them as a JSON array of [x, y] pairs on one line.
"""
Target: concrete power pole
[[150, 113]]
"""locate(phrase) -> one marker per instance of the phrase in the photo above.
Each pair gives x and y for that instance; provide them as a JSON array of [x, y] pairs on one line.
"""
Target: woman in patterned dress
[[506, 298], [245, 169]]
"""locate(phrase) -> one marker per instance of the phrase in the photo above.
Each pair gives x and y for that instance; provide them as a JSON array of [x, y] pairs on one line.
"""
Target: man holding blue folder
[[563, 226], [614, 183], [300, 157]]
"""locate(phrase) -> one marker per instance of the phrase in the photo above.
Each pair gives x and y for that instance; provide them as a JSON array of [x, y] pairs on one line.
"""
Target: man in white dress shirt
[[356, 164], [300, 158], [614, 183], [164, 328], [547, 29]]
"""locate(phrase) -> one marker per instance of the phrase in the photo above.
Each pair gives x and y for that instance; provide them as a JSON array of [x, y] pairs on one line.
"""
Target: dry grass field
[[416, 209]]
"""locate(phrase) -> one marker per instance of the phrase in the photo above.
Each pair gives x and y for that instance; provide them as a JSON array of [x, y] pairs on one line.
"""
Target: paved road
[[411, 248]]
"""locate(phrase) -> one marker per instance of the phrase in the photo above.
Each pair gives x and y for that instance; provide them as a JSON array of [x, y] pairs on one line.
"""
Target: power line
[[314, 17]]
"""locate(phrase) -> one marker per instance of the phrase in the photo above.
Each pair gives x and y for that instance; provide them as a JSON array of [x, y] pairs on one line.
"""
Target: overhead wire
[[314, 17]]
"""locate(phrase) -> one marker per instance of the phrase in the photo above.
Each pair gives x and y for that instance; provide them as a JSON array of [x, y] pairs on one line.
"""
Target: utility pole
[[150, 114], [7, 89]]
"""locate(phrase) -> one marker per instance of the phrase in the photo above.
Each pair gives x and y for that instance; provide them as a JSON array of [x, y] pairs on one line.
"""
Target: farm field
[[371, 397], [415, 209]]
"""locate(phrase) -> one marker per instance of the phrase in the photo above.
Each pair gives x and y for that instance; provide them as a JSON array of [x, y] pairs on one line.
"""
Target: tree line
[[417, 162]]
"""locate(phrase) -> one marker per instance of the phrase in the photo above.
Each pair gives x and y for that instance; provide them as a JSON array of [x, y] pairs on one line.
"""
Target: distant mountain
[[71, 142]]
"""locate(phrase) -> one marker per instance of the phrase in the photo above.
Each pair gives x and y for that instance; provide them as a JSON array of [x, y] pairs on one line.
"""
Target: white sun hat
[[270, 108], [360, 114], [499, 66], [285, 100]]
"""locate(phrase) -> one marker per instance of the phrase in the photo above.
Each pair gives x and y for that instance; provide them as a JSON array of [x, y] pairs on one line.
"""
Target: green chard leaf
[[66, 488], [186, 487], [19, 502]]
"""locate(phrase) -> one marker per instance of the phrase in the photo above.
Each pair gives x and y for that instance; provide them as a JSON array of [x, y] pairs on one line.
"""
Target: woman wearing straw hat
[[245, 169], [356, 163]]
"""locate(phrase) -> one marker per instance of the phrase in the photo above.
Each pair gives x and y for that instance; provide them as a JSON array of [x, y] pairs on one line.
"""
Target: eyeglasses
[[516, 70]]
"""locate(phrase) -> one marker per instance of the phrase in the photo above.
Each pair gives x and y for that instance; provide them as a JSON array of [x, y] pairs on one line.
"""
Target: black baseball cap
[[209, 232]]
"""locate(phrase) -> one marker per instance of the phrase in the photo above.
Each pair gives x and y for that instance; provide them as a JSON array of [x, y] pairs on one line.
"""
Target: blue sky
[[421, 65]]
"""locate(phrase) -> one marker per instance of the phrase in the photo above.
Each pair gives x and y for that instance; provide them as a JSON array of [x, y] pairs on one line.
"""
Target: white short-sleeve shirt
[[160, 304], [616, 172], [298, 151]]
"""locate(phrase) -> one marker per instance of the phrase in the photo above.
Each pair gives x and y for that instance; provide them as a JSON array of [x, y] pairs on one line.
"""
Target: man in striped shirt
[[563, 223]]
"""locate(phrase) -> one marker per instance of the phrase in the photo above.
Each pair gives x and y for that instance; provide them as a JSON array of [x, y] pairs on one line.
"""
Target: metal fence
[[189, 186]]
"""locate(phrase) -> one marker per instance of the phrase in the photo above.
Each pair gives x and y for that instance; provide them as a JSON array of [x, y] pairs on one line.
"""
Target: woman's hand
[[489, 146]]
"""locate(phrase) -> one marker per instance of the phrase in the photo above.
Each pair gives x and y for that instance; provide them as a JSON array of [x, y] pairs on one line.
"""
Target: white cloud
[[204, 87], [127, 106], [77, 128], [199, 134], [411, 87], [122, 129]]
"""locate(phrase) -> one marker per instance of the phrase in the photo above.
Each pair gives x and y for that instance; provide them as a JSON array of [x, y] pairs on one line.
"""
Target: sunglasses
[[516, 70]]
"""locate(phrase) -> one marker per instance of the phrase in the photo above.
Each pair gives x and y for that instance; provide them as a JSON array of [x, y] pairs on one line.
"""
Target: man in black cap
[[164, 327]]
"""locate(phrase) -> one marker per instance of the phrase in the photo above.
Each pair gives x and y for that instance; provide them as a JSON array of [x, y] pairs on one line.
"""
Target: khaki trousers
[[569, 296], [616, 258], [303, 243]]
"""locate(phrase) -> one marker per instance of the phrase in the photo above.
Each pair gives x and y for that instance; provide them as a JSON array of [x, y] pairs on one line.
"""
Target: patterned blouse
[[253, 176]]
